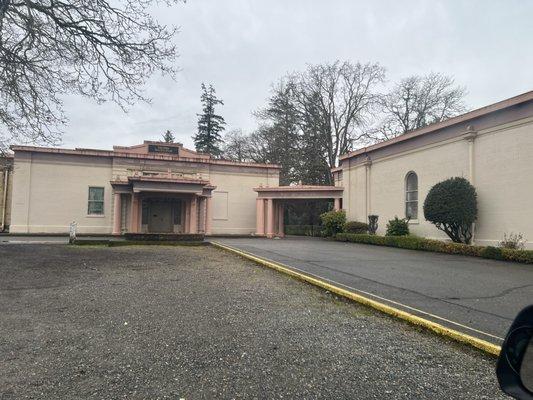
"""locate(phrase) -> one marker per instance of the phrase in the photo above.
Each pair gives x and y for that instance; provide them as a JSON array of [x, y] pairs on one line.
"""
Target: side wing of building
[[493, 151]]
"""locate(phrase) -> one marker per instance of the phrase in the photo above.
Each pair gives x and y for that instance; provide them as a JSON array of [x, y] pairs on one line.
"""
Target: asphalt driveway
[[199, 323], [473, 295]]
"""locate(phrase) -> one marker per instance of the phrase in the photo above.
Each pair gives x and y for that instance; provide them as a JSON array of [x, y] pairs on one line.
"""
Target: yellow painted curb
[[413, 319]]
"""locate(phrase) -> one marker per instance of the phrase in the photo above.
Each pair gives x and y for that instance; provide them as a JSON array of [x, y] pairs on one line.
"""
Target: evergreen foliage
[[333, 222], [398, 227], [210, 125], [452, 206], [355, 227]]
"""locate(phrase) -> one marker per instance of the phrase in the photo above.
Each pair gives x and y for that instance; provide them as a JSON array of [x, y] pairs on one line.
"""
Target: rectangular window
[[96, 201]]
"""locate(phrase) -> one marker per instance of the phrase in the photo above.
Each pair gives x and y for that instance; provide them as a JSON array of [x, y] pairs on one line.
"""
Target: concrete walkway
[[472, 295]]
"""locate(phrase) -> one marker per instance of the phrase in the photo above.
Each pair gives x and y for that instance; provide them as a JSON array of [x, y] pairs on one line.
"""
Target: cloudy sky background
[[243, 46]]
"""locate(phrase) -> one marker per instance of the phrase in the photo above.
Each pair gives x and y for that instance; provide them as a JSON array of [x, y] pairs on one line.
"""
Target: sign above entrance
[[158, 148]]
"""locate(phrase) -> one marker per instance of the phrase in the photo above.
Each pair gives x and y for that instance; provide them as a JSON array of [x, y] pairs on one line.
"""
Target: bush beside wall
[[333, 222], [416, 243], [355, 227]]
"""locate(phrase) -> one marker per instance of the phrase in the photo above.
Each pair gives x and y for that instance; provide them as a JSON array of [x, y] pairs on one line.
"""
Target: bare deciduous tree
[[101, 49], [236, 146], [418, 101], [338, 99]]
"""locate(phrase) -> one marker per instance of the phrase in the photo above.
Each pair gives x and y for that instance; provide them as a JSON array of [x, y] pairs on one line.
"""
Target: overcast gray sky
[[243, 46]]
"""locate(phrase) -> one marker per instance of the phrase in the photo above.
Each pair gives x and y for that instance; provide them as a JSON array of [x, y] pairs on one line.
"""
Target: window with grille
[[411, 196], [96, 201]]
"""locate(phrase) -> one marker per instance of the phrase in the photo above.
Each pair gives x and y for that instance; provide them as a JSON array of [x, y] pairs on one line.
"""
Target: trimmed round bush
[[452, 206], [355, 227], [397, 227]]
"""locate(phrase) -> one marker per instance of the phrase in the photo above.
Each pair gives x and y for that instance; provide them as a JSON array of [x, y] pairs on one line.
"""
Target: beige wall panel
[[504, 183], [50, 191], [241, 202]]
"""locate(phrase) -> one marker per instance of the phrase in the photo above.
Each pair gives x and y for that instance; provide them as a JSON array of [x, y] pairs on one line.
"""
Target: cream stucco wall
[[236, 185], [501, 169], [503, 177], [50, 191]]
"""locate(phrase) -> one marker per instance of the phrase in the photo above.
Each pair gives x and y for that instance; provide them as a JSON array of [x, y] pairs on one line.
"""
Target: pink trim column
[[208, 215], [201, 214], [270, 219], [281, 226], [117, 211], [194, 215], [337, 204], [134, 228], [260, 217]]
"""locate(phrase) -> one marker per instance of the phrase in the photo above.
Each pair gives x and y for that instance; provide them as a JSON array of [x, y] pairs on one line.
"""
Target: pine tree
[[210, 125], [168, 137]]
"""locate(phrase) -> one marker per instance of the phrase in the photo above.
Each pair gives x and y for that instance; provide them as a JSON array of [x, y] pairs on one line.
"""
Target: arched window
[[411, 196]]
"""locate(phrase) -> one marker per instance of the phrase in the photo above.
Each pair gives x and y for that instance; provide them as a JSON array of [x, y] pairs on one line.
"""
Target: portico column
[[337, 204], [117, 211], [281, 227], [194, 215], [208, 215], [270, 218], [260, 217], [134, 228], [201, 214]]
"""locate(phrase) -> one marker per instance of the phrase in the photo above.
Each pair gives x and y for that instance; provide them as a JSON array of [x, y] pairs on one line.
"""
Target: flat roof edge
[[119, 154]]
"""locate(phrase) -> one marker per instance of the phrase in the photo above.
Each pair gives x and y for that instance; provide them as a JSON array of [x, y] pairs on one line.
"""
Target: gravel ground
[[196, 322]]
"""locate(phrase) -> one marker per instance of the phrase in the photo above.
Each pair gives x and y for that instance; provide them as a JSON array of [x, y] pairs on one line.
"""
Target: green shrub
[[417, 243], [522, 256], [452, 206], [333, 222], [355, 227], [494, 253], [397, 227]]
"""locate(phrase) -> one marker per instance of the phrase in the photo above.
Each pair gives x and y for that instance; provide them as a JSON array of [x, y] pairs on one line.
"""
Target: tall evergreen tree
[[168, 137], [210, 124]]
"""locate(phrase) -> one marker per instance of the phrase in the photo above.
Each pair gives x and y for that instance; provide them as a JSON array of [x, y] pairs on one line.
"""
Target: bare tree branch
[[418, 101], [105, 50]]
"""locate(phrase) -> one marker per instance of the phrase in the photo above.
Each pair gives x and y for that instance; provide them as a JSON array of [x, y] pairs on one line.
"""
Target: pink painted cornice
[[299, 188], [125, 154]]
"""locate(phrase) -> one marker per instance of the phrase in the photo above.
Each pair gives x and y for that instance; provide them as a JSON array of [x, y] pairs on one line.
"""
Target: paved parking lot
[[183, 322], [473, 295]]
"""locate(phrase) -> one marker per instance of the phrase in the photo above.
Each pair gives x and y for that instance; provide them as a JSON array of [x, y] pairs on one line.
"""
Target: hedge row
[[416, 243]]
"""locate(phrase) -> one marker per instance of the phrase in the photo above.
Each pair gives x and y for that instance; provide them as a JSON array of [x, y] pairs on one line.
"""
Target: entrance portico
[[156, 204], [270, 204]]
